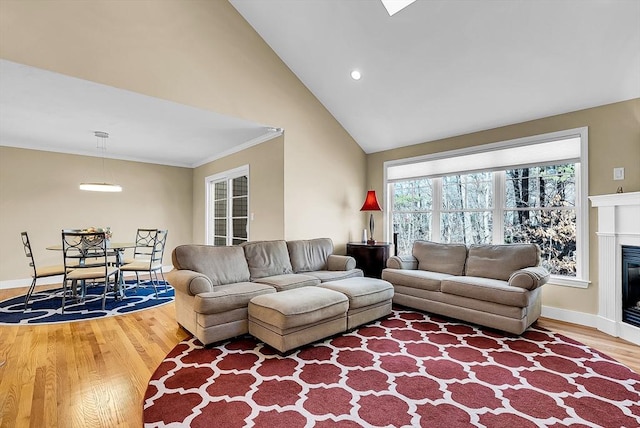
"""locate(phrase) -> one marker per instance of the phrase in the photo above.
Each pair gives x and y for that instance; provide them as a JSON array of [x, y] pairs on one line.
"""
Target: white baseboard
[[622, 330], [18, 283], [581, 318]]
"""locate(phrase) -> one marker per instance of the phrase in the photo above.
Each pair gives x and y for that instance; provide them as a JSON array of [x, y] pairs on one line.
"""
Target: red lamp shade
[[371, 203]]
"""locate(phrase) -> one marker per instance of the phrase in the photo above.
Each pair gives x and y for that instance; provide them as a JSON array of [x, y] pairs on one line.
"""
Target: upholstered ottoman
[[292, 318], [369, 298]]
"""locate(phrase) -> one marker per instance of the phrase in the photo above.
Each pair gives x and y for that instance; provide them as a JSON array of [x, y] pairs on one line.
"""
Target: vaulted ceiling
[[436, 69], [440, 68]]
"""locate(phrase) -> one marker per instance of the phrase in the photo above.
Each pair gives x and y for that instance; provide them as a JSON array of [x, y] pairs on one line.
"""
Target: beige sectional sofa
[[496, 286], [214, 285]]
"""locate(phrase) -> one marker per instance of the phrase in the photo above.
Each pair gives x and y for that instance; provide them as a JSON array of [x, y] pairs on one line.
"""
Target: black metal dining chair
[[162, 241], [145, 251], [144, 245], [147, 257], [37, 271], [81, 246]]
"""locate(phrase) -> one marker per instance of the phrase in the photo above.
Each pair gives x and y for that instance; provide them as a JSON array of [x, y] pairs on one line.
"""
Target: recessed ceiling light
[[355, 75]]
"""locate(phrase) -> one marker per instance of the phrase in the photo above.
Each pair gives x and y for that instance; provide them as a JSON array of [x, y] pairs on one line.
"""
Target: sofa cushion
[[229, 297], [490, 290], [438, 302], [414, 278], [437, 257], [309, 255], [335, 275], [289, 281], [500, 261], [222, 265], [267, 258]]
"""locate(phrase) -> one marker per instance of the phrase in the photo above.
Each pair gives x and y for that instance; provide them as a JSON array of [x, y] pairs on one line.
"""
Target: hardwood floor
[[82, 374], [94, 373], [620, 350]]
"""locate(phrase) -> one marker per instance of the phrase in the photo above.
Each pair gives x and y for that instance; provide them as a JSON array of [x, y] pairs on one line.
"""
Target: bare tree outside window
[[467, 204], [412, 212], [539, 207]]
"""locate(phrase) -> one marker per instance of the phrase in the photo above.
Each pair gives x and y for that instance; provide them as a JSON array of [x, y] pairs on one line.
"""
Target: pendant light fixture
[[104, 186]]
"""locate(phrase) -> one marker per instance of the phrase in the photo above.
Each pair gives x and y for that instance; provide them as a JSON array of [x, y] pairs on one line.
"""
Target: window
[[526, 190], [466, 209], [228, 207], [541, 208], [412, 212]]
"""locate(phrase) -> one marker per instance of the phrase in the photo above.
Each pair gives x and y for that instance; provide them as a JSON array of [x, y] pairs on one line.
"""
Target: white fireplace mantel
[[618, 225]]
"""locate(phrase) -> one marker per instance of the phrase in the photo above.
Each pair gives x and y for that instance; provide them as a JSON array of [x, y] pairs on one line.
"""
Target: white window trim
[[225, 175], [582, 192]]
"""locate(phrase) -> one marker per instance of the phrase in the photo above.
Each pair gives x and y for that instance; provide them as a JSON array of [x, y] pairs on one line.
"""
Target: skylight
[[395, 6]]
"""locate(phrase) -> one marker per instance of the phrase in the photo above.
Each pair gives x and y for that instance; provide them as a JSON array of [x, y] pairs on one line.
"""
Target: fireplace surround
[[618, 228]]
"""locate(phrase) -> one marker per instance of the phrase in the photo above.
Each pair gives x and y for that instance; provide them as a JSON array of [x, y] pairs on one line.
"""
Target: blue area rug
[[44, 306]]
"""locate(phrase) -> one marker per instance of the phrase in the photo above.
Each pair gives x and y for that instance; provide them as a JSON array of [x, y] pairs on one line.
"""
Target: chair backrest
[[79, 246], [27, 250], [161, 240], [146, 240]]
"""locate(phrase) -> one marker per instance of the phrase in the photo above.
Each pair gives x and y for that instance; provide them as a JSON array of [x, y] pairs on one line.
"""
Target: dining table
[[118, 249]]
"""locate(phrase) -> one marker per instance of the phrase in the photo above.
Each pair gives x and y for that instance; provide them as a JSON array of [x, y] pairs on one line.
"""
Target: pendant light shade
[[103, 186], [100, 187]]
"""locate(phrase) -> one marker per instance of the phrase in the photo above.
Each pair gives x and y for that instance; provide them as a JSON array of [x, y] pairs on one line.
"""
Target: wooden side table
[[371, 258]]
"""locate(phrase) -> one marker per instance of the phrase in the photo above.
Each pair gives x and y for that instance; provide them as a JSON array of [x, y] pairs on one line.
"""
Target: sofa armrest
[[337, 262], [213, 302], [402, 262], [189, 282], [529, 278]]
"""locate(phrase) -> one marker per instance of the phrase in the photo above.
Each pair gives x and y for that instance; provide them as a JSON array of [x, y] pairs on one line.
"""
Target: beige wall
[[324, 181], [203, 54], [266, 189], [39, 194], [614, 141]]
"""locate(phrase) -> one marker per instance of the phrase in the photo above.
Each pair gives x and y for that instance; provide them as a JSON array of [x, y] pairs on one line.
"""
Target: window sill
[[569, 282]]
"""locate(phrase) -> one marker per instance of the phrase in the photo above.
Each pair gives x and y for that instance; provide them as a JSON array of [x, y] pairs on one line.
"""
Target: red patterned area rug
[[408, 370]]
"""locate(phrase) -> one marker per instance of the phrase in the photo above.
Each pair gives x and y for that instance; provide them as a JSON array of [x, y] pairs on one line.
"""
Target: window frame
[[581, 280], [227, 176]]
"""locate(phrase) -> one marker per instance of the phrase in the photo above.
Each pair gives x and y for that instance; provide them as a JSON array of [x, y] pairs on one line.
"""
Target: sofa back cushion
[[310, 255], [500, 261], [267, 258], [222, 265], [437, 257]]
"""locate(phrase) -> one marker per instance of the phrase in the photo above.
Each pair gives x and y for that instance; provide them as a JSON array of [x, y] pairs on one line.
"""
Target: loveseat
[[497, 286], [213, 285]]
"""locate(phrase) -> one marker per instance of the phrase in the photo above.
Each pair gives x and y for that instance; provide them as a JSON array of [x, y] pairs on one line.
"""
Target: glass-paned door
[[228, 208]]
